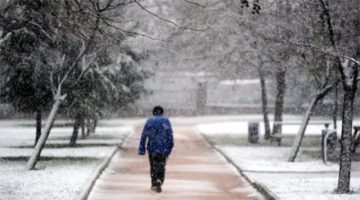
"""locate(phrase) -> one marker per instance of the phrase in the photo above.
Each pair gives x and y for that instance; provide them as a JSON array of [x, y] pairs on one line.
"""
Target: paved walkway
[[194, 171]]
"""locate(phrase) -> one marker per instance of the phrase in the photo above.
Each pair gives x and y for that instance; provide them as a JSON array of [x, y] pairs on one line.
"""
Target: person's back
[[158, 133]]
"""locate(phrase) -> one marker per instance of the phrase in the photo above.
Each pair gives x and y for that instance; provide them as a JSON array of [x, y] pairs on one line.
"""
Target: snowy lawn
[[60, 179], [307, 178], [63, 172], [240, 127]]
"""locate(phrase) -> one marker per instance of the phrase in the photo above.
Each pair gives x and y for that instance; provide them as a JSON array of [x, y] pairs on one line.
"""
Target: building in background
[[187, 93], [180, 93]]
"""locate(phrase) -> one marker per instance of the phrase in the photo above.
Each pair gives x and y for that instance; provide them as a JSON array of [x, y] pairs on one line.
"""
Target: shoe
[[153, 188], [158, 186], [158, 189]]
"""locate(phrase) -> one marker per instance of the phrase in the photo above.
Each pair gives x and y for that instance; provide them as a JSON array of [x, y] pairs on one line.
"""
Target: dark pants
[[157, 167]]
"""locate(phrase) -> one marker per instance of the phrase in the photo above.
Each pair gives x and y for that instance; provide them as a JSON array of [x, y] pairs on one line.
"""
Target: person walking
[[160, 142]]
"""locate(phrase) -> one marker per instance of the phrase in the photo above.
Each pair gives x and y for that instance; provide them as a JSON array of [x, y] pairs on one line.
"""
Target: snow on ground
[[240, 126], [305, 179], [306, 186], [273, 160], [20, 135], [300, 180], [64, 172], [90, 152], [59, 180]]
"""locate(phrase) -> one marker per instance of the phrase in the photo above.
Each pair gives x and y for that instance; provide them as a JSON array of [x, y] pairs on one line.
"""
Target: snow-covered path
[[194, 171]]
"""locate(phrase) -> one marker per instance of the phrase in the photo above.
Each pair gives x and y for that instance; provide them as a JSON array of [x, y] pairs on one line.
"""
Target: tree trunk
[[93, 128], [38, 125], [336, 106], [346, 133], [349, 75], [279, 101], [88, 127], [83, 128], [77, 124], [264, 102], [58, 100], [45, 134], [300, 135]]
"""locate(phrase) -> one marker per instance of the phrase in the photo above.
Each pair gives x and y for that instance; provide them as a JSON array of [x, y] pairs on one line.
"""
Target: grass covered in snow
[[56, 179], [63, 172], [306, 179]]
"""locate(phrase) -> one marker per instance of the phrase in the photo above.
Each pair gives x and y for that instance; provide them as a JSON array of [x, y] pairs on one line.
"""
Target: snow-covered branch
[[7, 36], [85, 67], [328, 52], [73, 65], [42, 30]]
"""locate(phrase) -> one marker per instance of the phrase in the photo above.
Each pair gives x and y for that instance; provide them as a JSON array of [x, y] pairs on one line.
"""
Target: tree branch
[[132, 32], [329, 23], [201, 5], [326, 88], [72, 67], [86, 68], [166, 20], [91, 11], [327, 52], [7, 36], [53, 90], [42, 30]]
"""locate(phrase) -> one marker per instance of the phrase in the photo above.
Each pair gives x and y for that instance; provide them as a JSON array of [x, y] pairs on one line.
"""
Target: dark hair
[[158, 110]]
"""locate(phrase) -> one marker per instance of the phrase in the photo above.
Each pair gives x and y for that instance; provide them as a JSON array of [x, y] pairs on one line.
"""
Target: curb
[[261, 188], [265, 191], [99, 170]]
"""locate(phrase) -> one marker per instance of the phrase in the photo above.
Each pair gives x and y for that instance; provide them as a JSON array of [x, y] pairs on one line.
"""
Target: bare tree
[[338, 39], [342, 43], [349, 69], [264, 101], [326, 81]]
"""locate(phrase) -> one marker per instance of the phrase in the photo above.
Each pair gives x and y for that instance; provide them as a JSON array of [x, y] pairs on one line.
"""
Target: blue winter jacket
[[159, 135]]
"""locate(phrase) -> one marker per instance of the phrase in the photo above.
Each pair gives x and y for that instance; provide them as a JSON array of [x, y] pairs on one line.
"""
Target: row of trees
[[69, 57], [288, 39], [314, 37], [324, 39], [280, 41], [72, 57]]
